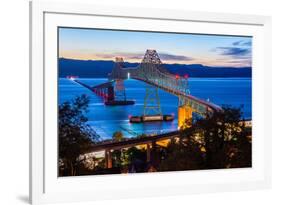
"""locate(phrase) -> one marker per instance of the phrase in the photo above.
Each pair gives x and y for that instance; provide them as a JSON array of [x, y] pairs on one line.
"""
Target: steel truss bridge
[[152, 71]]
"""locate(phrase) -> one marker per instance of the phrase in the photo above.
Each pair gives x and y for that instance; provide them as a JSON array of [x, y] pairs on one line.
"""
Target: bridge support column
[[110, 93], [151, 101], [184, 116], [120, 92], [148, 153], [108, 159]]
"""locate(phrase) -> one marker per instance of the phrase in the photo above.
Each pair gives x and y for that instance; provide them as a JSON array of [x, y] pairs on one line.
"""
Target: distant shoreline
[[101, 69]]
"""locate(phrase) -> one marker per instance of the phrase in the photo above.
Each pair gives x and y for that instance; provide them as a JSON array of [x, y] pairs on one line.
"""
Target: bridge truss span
[[152, 71]]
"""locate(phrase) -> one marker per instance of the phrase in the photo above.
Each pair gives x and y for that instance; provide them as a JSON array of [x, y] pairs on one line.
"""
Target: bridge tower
[[119, 88], [151, 101], [150, 65]]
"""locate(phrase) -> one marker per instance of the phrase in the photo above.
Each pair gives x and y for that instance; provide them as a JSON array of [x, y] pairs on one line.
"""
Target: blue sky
[[210, 50]]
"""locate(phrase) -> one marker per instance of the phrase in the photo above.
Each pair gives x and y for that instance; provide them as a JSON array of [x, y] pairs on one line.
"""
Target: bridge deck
[[103, 85], [179, 93], [83, 84], [99, 86], [131, 142]]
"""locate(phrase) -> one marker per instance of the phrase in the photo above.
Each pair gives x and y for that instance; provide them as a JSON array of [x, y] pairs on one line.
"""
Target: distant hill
[[100, 69], [198, 70]]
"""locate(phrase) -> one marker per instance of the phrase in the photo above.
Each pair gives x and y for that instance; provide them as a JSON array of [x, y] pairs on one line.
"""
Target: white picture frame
[[46, 187]]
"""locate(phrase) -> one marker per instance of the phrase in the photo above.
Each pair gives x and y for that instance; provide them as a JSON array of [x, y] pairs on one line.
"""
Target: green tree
[[224, 138], [182, 155], [133, 157], [116, 158], [118, 136], [75, 136]]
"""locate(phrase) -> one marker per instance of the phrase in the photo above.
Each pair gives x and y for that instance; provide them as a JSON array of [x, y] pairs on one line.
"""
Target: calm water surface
[[105, 120]]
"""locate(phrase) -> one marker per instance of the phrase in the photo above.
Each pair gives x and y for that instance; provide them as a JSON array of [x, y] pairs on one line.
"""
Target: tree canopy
[[118, 136], [75, 135], [220, 140]]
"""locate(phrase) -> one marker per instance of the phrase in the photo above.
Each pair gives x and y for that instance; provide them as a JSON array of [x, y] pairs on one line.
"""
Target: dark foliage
[[219, 141], [130, 160], [75, 136], [118, 136]]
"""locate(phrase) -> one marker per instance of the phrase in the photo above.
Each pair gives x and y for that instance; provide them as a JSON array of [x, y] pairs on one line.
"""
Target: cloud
[[240, 62], [237, 55], [124, 55], [237, 43], [242, 43], [139, 56], [165, 56], [233, 51], [248, 43]]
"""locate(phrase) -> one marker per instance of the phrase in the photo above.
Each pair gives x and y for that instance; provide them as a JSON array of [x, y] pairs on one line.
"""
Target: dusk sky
[[210, 50]]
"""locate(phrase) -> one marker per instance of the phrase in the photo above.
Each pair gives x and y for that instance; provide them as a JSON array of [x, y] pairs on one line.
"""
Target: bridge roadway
[[104, 90], [149, 142], [131, 142], [100, 86], [188, 97], [194, 101]]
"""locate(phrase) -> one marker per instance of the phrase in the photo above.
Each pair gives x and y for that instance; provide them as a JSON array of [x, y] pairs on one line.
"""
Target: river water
[[105, 120]]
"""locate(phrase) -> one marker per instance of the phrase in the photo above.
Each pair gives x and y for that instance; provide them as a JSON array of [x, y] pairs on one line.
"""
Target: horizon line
[[77, 59]]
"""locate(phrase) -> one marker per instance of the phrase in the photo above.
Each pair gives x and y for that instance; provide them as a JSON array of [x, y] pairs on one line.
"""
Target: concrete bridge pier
[[108, 159], [148, 152], [184, 115]]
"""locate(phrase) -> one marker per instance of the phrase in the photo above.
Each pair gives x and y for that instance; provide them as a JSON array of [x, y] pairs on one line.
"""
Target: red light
[[177, 76], [186, 76]]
